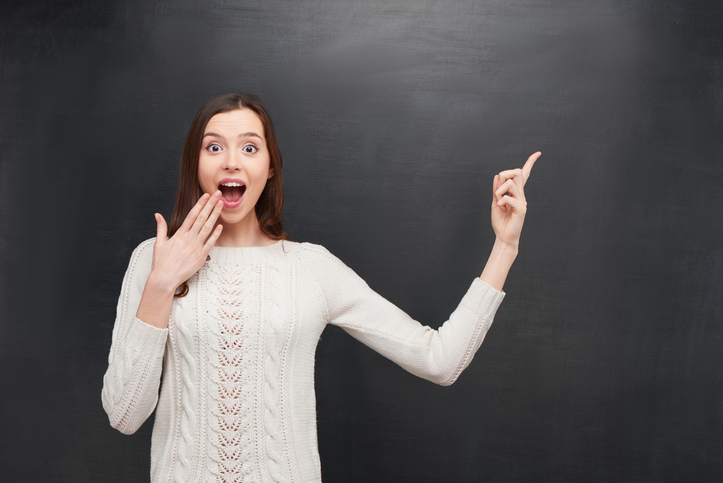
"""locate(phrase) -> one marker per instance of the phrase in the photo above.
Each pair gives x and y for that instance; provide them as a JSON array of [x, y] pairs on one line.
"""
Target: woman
[[227, 312]]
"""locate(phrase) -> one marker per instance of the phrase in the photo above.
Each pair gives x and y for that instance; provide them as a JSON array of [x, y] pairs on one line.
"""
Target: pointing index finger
[[528, 166]]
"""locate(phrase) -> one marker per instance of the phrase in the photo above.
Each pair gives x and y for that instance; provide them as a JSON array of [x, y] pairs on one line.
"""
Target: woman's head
[[269, 204]]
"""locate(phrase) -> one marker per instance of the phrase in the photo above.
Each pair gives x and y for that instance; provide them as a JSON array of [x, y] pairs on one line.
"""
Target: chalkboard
[[604, 361]]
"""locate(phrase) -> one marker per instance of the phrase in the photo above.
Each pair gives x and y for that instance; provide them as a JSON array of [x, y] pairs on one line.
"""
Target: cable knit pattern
[[237, 398], [276, 348], [185, 341]]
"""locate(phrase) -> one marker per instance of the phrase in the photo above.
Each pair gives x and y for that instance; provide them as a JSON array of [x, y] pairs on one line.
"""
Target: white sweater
[[237, 359]]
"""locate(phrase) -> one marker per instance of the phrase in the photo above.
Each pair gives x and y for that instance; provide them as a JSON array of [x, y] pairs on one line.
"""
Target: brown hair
[[268, 207]]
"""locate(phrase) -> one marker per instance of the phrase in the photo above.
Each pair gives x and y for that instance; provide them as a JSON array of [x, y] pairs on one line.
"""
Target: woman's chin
[[236, 217]]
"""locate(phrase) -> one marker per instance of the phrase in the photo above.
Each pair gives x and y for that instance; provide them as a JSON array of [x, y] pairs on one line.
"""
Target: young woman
[[226, 312]]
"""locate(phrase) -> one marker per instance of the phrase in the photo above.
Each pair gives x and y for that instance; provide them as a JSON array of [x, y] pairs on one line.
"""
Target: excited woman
[[224, 312]]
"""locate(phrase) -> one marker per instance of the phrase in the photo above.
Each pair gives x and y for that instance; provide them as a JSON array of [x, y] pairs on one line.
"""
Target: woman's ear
[[271, 173]]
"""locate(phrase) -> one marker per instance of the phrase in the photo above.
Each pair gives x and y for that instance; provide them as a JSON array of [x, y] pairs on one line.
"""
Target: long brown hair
[[268, 207]]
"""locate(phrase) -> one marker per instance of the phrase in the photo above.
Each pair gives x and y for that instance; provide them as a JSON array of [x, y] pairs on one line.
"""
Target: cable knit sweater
[[236, 362]]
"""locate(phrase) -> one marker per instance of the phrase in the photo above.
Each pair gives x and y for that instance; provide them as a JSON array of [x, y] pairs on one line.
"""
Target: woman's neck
[[247, 233]]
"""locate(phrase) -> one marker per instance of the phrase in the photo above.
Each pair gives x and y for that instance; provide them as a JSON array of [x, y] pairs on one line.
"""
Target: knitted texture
[[237, 399]]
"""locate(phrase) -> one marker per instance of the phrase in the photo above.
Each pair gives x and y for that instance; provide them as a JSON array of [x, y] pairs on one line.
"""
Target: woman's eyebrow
[[243, 134], [249, 134]]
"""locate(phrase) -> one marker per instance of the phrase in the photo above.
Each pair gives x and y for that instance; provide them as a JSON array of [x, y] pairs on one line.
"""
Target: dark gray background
[[605, 361]]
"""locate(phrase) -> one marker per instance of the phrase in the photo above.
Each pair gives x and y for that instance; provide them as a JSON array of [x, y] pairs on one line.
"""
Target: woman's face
[[234, 158]]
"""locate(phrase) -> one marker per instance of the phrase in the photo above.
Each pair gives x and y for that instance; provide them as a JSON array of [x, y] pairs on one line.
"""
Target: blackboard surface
[[604, 362]]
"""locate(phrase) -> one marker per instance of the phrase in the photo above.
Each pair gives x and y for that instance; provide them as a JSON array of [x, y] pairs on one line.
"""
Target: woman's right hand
[[176, 259]]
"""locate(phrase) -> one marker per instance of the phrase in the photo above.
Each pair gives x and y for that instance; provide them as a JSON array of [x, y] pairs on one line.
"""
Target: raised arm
[[437, 355]]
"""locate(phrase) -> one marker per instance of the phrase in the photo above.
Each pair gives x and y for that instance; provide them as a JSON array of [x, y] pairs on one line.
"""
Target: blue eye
[[250, 148]]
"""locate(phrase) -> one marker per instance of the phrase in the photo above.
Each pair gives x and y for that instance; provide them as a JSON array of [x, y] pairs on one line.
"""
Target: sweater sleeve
[[130, 385], [436, 355]]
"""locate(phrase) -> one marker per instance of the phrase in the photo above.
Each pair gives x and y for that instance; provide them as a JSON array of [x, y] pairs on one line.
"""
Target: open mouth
[[232, 191]]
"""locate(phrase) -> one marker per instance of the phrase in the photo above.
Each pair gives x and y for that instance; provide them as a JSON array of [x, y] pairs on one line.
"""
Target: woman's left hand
[[508, 202]]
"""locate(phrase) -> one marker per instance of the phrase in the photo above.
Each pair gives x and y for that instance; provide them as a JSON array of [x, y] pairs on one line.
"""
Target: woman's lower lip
[[235, 204]]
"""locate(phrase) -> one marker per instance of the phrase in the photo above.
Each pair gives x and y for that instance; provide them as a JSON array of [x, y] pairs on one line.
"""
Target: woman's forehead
[[234, 123]]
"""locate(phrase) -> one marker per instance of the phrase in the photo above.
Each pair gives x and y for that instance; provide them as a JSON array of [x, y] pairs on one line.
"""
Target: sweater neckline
[[246, 255]]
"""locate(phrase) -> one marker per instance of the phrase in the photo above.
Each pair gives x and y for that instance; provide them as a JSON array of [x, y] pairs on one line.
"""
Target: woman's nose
[[232, 161]]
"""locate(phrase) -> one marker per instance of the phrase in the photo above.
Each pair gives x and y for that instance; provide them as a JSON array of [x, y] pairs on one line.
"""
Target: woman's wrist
[[505, 250], [499, 263], [155, 306], [160, 285]]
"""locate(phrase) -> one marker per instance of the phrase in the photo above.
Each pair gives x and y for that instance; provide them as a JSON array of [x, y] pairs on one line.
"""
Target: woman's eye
[[250, 149], [214, 148]]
